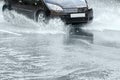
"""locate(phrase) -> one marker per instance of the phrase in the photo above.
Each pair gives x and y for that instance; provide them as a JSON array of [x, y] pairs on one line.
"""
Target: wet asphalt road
[[32, 51]]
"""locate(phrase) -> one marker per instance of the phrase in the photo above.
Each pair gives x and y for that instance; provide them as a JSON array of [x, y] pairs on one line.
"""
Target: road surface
[[55, 51]]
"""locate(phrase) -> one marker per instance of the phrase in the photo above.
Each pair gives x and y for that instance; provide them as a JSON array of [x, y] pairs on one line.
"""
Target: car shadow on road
[[77, 34]]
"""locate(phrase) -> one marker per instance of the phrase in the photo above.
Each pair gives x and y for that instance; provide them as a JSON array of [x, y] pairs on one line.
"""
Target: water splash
[[106, 15], [29, 26], [21, 24]]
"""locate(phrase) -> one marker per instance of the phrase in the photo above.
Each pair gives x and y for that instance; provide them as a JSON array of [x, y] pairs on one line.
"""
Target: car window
[[28, 1], [33, 2]]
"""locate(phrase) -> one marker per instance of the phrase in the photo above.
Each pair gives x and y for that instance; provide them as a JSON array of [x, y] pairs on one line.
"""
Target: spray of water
[[21, 24], [1, 17], [30, 26], [106, 15]]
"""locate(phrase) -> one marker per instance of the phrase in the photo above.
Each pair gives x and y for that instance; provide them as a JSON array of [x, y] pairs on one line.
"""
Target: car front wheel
[[41, 17]]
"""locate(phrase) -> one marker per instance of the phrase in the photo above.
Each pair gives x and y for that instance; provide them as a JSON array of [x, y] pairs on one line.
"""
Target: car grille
[[70, 10]]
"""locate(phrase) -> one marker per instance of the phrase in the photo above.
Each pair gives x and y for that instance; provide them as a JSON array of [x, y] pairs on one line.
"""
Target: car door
[[27, 7]]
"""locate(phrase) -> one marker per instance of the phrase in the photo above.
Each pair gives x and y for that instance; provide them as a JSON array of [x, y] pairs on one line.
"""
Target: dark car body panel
[[31, 7]]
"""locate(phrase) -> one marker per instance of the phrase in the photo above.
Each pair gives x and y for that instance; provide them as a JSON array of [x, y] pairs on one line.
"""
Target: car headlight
[[54, 7]]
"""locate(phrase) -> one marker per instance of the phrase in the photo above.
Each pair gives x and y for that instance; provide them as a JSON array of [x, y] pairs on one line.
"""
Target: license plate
[[77, 15]]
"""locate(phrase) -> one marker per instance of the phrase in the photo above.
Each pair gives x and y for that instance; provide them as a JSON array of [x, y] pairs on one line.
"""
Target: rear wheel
[[8, 15]]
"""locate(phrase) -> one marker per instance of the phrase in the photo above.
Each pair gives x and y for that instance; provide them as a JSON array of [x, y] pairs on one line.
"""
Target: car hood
[[68, 3]]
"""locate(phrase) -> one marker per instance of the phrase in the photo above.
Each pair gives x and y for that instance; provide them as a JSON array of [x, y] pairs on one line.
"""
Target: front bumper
[[88, 16], [68, 20]]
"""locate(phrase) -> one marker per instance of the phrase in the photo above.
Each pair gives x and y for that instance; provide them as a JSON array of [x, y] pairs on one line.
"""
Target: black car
[[70, 11]]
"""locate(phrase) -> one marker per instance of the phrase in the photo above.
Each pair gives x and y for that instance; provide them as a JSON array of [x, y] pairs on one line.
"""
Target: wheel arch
[[6, 6]]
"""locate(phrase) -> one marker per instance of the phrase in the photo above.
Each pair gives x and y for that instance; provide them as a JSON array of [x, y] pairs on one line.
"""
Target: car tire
[[41, 17], [8, 15]]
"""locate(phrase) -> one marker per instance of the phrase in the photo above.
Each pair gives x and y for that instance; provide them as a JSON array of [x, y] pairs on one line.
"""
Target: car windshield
[[68, 3]]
